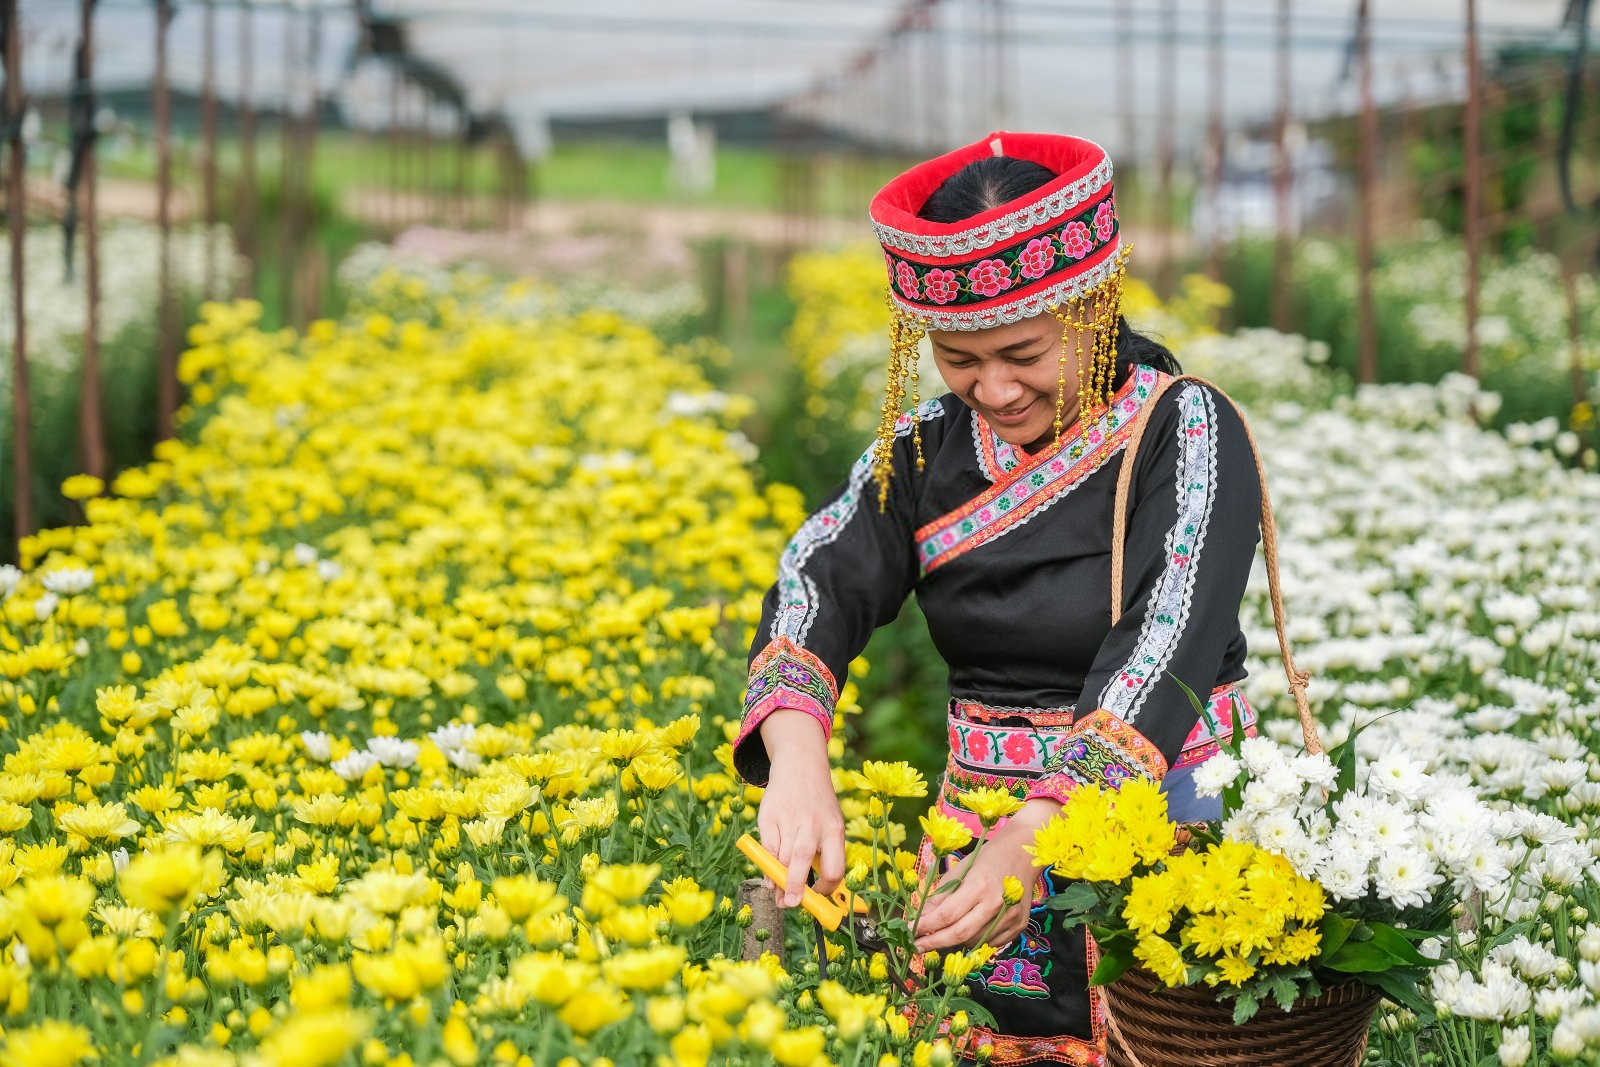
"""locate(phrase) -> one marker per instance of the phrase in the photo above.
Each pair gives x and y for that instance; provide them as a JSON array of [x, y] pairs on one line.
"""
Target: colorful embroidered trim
[[797, 594], [1168, 608], [1079, 281], [986, 751], [995, 457], [784, 675], [929, 287], [1104, 750], [1038, 482], [1007, 226]]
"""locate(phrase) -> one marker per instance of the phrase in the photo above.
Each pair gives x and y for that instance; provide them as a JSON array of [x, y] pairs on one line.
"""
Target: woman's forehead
[[996, 340]]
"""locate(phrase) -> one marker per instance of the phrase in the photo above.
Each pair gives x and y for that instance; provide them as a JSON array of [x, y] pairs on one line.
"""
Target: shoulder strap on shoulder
[[1298, 679]]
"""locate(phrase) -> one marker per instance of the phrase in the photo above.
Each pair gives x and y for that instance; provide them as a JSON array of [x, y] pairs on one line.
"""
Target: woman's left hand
[[959, 917]]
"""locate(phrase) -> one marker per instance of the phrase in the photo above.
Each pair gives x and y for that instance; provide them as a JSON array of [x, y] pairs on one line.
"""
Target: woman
[[993, 504]]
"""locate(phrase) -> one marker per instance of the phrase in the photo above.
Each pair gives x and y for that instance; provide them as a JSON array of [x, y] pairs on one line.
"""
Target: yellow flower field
[[383, 719]]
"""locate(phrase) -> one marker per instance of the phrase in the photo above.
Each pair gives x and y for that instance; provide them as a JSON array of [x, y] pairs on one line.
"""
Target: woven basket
[[1150, 1025]]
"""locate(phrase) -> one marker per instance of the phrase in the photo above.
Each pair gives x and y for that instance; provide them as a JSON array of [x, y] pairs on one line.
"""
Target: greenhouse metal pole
[[208, 124], [245, 197], [1367, 357], [16, 222], [1166, 139], [1125, 100], [1282, 251], [1217, 139], [166, 350], [1469, 355], [91, 428]]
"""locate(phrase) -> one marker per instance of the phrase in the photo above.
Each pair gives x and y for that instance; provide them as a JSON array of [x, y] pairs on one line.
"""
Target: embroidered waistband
[[988, 739]]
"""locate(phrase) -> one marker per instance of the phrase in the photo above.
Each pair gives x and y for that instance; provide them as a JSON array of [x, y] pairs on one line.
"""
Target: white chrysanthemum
[[393, 752], [10, 577], [1405, 878], [1261, 754], [354, 765], [319, 746], [1397, 775], [1215, 774], [67, 581], [1515, 1046]]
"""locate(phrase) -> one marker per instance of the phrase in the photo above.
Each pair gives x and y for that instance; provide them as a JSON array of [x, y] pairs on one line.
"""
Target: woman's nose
[[996, 387]]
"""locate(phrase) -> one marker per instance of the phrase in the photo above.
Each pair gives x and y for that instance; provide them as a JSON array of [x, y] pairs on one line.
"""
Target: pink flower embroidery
[[1037, 258], [978, 745], [1075, 240], [1018, 748], [1105, 217], [940, 286], [989, 277], [906, 278]]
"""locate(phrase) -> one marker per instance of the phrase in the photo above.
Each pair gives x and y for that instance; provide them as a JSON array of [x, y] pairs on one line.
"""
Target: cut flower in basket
[[1315, 876]]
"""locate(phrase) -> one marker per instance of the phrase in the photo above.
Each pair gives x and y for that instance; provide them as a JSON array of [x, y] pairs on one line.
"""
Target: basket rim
[[1351, 991]]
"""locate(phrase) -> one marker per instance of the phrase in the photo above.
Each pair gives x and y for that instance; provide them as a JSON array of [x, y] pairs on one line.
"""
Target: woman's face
[[1008, 375]]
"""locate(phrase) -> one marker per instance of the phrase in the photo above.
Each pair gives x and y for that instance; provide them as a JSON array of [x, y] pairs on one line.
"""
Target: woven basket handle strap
[[1298, 679]]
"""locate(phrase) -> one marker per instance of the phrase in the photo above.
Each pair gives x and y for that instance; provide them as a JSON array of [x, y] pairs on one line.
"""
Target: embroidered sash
[[1037, 482]]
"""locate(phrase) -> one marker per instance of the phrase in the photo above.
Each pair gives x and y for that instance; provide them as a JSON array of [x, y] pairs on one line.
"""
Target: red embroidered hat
[[1013, 261]]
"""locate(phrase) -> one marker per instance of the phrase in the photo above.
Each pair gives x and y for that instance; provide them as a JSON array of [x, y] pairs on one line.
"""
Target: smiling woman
[[994, 504]]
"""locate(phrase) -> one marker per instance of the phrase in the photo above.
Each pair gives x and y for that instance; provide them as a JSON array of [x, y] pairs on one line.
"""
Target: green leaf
[[1335, 930], [1199, 707], [1285, 992], [979, 1014], [1116, 954], [1244, 1008], [1344, 759], [1360, 957], [1393, 942], [667, 855], [1113, 965], [1401, 987], [1076, 897]]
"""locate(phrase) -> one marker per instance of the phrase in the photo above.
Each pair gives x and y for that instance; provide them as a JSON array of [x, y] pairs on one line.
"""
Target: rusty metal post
[[1166, 137], [1580, 386], [208, 125], [1282, 258], [91, 426], [1125, 95], [17, 223], [1367, 358], [167, 333], [245, 206], [1469, 356], [310, 302], [1216, 137], [288, 250]]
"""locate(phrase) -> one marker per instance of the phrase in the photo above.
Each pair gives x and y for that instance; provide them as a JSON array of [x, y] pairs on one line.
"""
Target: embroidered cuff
[[783, 675], [1101, 750]]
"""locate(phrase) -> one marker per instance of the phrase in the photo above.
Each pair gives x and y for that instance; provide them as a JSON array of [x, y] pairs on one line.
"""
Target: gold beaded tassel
[[905, 334], [893, 392], [1096, 313]]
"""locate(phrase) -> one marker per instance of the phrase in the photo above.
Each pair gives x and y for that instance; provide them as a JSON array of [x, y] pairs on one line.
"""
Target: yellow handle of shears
[[830, 910]]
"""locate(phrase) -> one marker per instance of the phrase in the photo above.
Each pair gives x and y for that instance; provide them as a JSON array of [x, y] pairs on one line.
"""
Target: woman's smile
[[1014, 416]]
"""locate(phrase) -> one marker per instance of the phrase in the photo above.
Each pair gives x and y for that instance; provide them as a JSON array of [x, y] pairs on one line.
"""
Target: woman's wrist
[[789, 734]]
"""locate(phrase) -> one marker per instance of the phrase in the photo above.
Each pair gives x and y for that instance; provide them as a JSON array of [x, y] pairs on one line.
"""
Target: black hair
[[990, 181]]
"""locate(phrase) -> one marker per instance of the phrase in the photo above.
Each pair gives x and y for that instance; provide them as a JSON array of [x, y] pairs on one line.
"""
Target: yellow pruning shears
[[828, 910]]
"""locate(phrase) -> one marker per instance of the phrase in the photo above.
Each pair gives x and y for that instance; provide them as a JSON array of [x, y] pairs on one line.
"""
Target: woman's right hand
[[799, 813]]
